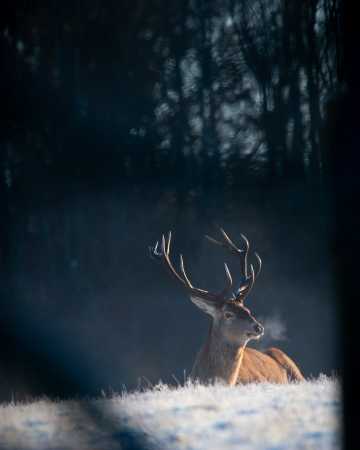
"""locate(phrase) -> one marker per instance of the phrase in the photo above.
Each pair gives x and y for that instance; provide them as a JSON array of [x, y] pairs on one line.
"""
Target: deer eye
[[229, 315]]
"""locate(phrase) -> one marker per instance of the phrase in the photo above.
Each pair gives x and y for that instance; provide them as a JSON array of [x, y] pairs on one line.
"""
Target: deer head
[[232, 321]]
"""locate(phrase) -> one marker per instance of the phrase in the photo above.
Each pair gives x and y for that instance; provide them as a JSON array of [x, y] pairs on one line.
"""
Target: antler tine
[[229, 241], [182, 267], [246, 241], [245, 290], [214, 241], [154, 251], [168, 243], [163, 244], [252, 278], [165, 248], [227, 289], [228, 275], [227, 244], [245, 264], [259, 264]]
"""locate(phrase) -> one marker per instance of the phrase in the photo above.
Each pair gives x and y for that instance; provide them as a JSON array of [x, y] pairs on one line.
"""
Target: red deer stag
[[225, 354]]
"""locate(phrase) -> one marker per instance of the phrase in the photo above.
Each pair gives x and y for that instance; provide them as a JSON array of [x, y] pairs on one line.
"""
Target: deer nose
[[259, 329]]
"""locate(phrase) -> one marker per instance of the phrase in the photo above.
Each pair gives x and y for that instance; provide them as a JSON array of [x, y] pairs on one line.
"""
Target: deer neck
[[218, 359]]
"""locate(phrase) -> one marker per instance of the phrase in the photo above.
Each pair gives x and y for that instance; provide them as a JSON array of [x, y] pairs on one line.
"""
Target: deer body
[[233, 364], [225, 355]]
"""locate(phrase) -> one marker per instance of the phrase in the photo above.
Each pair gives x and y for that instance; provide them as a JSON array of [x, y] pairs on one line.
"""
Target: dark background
[[122, 121]]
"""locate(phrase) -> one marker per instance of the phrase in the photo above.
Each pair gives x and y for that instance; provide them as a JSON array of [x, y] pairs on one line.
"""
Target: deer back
[[273, 366]]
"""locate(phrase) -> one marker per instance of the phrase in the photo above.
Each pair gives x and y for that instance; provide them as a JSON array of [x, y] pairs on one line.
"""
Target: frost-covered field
[[257, 416]]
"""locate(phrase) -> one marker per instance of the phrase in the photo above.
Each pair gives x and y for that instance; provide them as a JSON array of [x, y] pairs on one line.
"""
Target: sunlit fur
[[225, 354]]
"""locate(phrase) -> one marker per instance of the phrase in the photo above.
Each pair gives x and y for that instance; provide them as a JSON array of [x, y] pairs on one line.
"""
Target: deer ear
[[206, 305]]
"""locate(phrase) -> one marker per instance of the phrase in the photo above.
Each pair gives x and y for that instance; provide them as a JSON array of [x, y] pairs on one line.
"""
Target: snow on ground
[[216, 417]]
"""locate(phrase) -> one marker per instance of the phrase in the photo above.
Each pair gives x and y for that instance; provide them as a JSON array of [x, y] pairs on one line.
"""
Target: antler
[[164, 255], [228, 244]]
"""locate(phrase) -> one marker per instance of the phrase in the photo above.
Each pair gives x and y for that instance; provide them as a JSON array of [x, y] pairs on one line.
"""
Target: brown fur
[[272, 365], [236, 365]]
